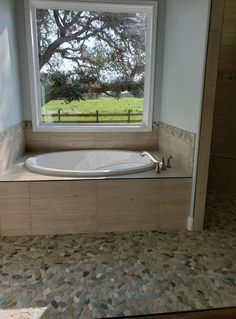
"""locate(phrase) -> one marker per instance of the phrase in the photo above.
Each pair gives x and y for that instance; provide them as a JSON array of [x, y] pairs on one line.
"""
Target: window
[[91, 65]]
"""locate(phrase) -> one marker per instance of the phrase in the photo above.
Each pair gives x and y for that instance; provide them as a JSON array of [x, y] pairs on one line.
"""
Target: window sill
[[92, 128]]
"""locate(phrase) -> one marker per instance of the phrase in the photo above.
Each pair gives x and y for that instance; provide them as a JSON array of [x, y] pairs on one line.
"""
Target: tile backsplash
[[57, 141], [17, 139], [12, 145], [178, 143]]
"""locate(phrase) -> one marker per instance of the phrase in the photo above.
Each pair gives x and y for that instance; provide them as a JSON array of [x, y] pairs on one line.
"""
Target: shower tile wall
[[178, 143], [222, 174]]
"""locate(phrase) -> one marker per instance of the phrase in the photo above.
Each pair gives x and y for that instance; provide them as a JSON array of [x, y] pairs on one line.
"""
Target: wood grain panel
[[63, 207], [230, 3], [127, 205], [15, 216], [232, 179], [228, 39], [217, 15], [14, 206], [64, 223], [219, 174], [175, 196], [229, 26], [174, 211], [83, 189], [175, 186], [14, 190], [213, 52], [228, 53], [230, 11], [15, 224], [227, 65], [143, 205]]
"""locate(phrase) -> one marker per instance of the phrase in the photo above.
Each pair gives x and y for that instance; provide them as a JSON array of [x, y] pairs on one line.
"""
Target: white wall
[[10, 94], [185, 37]]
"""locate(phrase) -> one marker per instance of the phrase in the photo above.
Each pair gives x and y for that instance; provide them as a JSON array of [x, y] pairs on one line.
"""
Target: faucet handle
[[168, 162], [158, 168], [163, 166]]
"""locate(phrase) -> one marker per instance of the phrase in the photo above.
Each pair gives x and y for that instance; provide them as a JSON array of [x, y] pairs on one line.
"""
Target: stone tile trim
[[12, 145], [179, 133], [179, 143], [11, 130]]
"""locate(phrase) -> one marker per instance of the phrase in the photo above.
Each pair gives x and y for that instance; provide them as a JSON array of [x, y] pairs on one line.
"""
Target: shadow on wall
[[5, 77], [10, 85]]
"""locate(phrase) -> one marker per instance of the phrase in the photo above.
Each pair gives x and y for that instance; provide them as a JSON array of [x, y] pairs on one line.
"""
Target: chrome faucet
[[168, 162], [163, 166], [155, 161]]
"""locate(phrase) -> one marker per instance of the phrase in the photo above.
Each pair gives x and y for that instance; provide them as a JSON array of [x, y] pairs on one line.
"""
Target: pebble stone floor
[[108, 275]]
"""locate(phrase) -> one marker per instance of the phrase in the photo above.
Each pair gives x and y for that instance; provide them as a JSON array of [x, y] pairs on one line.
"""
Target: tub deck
[[19, 172]]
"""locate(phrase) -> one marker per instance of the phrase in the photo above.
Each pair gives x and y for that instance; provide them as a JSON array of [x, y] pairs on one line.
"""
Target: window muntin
[[92, 65]]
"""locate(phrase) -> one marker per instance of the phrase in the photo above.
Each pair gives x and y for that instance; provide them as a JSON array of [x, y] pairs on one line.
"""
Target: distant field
[[108, 105]]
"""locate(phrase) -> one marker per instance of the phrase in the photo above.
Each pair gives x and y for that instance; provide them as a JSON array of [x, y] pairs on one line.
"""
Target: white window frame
[[148, 7]]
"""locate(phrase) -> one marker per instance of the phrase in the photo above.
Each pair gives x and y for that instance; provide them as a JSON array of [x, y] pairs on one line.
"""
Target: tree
[[105, 52]]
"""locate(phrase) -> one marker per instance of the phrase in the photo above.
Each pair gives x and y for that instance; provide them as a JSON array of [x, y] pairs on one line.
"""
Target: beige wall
[[222, 174]]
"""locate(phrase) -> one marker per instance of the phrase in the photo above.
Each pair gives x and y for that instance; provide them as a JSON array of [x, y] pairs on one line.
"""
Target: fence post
[[97, 116], [59, 115], [129, 116]]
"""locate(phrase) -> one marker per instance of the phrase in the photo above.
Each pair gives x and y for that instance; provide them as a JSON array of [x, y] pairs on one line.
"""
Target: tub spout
[[155, 161]]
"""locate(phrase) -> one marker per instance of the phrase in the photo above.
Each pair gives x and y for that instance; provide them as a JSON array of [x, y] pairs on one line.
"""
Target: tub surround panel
[[65, 223], [12, 145], [62, 208], [66, 189], [178, 143], [50, 208], [15, 216], [128, 205], [174, 203], [59, 141], [146, 205]]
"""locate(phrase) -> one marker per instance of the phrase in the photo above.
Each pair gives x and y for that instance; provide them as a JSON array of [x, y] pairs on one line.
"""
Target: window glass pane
[[92, 66]]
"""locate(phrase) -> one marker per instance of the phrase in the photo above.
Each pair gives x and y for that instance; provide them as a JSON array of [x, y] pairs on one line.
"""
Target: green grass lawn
[[106, 105]]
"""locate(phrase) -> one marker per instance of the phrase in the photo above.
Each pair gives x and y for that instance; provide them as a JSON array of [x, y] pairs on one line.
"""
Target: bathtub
[[89, 163]]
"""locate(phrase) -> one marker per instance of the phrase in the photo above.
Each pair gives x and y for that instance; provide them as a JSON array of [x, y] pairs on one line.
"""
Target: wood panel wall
[[213, 53], [222, 173]]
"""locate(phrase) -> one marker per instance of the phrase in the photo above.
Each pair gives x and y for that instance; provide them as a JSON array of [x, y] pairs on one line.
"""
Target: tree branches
[[105, 49]]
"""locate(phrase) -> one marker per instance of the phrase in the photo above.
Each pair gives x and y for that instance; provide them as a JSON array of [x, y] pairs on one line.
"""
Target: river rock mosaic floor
[[88, 276]]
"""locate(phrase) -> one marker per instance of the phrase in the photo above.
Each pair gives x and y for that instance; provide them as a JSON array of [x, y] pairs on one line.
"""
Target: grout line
[[30, 209]]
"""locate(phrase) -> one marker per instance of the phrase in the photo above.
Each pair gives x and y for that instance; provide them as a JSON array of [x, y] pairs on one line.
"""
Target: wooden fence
[[60, 117]]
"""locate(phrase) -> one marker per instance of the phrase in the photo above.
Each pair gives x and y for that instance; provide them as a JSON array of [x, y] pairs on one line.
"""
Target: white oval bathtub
[[89, 163]]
